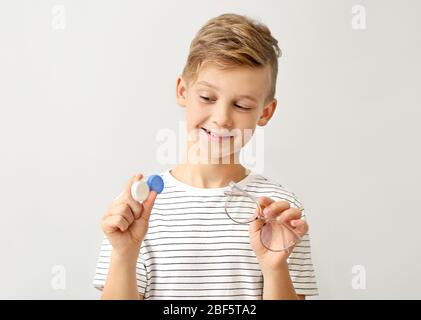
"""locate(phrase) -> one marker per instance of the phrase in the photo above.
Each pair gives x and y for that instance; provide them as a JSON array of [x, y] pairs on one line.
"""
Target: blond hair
[[232, 40]]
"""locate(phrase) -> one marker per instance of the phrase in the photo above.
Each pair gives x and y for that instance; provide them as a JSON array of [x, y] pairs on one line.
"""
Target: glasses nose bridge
[[238, 191]]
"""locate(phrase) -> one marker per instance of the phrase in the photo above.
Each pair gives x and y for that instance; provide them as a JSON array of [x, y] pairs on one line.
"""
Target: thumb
[[148, 204], [140, 225], [257, 224]]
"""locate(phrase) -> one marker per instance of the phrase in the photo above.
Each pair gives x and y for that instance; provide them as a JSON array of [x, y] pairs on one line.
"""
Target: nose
[[221, 115]]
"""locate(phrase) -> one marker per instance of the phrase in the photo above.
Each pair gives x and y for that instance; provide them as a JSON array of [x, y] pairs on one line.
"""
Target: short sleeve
[[103, 264], [300, 264], [301, 268]]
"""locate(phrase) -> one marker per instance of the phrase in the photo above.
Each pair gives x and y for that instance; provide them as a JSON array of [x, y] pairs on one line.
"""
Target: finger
[[135, 207], [275, 208], [136, 177], [148, 204], [257, 224], [300, 226], [123, 210], [113, 223], [126, 197], [265, 201], [289, 214]]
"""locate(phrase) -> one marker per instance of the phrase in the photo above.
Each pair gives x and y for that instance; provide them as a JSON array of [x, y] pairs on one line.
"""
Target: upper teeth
[[216, 135]]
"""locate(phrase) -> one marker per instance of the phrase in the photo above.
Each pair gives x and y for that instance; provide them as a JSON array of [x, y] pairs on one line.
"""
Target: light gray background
[[81, 107]]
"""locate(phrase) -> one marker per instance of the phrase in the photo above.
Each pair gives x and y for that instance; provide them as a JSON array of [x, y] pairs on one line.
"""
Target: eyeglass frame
[[259, 215]]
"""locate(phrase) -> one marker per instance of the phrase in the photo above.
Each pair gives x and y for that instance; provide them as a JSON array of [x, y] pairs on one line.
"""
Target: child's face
[[229, 103]]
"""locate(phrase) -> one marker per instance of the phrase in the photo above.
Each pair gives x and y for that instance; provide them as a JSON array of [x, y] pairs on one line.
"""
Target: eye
[[241, 107], [207, 99]]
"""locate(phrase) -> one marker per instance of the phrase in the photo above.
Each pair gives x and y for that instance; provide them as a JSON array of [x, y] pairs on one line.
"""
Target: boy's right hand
[[126, 221]]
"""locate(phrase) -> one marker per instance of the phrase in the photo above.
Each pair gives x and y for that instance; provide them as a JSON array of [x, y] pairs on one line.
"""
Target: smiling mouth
[[216, 136]]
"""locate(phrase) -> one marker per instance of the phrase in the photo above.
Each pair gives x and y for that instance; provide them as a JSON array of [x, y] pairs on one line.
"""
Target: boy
[[181, 244]]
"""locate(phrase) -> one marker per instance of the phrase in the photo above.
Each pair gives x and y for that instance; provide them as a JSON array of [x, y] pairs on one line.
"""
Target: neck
[[210, 175]]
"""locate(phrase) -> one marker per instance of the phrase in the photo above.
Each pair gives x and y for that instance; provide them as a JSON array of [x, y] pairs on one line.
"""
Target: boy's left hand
[[271, 261]]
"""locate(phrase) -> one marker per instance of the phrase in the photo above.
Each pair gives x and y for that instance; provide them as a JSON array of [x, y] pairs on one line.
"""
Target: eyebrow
[[246, 96]]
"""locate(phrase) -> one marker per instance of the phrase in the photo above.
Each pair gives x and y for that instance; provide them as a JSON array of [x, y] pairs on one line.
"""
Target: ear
[[181, 91], [267, 113]]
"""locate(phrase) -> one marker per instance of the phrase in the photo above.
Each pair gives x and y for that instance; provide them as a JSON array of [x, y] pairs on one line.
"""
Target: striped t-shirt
[[193, 250]]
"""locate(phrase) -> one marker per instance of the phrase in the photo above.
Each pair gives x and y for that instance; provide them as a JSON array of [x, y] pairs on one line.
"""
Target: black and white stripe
[[194, 251]]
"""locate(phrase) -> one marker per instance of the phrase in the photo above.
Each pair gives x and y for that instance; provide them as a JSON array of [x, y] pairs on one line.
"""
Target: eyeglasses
[[244, 208]]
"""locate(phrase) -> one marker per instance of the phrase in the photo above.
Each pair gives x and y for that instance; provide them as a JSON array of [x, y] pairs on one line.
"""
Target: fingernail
[[266, 211]]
